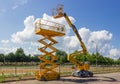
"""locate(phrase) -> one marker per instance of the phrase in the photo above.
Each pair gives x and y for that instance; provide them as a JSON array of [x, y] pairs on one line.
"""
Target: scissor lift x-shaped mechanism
[[48, 30]]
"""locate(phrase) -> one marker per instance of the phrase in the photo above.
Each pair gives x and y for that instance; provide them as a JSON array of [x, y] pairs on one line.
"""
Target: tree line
[[20, 56], [93, 59]]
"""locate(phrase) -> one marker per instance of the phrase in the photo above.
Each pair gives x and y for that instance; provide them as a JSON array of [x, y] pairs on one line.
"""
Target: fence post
[[59, 68], [15, 71]]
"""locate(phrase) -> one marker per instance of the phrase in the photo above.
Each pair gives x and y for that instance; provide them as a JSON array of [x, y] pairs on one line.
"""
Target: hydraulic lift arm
[[60, 14]]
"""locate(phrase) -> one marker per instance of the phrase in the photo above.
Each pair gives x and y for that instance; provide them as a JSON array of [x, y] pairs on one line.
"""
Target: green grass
[[2, 78]]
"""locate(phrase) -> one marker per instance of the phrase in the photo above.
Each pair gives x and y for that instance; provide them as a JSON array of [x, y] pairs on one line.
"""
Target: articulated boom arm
[[60, 14], [76, 33]]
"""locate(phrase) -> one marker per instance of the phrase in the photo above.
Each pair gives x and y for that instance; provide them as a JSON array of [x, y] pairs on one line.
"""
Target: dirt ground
[[109, 78]]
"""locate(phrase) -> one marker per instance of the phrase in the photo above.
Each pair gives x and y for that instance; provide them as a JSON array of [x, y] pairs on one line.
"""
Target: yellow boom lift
[[48, 30], [82, 67]]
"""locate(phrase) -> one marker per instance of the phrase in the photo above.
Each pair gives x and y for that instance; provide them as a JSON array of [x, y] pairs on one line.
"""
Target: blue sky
[[91, 15]]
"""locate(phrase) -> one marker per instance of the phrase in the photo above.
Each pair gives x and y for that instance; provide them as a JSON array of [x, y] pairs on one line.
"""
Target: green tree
[[10, 57], [28, 58], [80, 57], [48, 57], [61, 56], [35, 58], [20, 55], [83, 57], [118, 61], [2, 57]]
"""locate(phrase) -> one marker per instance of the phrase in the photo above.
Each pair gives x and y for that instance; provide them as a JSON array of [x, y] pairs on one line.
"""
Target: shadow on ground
[[89, 79]]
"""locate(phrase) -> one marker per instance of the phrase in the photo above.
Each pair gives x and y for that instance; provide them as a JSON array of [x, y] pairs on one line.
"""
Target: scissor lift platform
[[48, 28]]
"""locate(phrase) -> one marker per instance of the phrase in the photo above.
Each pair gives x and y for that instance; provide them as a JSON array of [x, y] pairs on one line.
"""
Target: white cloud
[[101, 35], [35, 44], [27, 34], [7, 50], [4, 41], [114, 53], [85, 34], [14, 7], [18, 3], [101, 39], [13, 4]]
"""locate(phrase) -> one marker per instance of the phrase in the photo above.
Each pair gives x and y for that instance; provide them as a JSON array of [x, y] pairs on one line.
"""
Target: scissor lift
[[48, 30]]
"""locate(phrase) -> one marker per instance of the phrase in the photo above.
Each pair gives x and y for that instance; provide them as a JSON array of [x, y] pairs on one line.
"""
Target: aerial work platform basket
[[48, 30], [45, 27]]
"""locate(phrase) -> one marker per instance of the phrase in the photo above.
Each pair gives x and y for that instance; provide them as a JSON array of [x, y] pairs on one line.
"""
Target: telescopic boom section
[[60, 14], [76, 33]]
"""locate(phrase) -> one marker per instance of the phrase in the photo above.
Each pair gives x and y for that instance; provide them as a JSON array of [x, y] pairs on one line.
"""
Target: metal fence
[[63, 69]]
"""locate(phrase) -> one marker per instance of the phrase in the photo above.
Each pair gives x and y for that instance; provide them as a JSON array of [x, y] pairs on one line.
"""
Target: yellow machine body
[[80, 65], [43, 76], [48, 30]]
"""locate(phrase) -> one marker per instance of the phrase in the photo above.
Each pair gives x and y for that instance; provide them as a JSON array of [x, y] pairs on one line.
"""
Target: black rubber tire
[[58, 78], [91, 74], [43, 79]]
